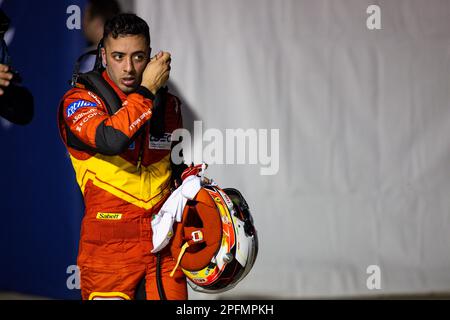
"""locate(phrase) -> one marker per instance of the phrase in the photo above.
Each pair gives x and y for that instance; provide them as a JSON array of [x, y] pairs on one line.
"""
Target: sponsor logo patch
[[82, 114], [95, 98], [74, 106], [109, 216], [163, 143]]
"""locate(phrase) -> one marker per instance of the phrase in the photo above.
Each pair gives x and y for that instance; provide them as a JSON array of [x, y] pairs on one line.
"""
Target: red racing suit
[[125, 176]]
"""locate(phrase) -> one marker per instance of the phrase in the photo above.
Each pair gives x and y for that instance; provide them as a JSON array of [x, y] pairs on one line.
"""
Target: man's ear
[[103, 51]]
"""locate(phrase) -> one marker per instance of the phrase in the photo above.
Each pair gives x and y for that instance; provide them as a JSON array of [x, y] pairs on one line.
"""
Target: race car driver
[[124, 172]]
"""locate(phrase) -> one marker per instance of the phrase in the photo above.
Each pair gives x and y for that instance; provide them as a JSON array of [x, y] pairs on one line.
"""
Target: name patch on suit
[[162, 143]]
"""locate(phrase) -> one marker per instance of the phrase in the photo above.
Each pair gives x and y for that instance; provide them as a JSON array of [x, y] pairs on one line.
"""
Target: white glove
[[172, 209]]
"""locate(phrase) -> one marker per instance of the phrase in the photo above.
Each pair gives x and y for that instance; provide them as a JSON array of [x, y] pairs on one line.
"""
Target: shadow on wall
[[188, 113]]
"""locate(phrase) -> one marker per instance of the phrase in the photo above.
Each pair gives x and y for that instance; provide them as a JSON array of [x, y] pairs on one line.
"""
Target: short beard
[[129, 90]]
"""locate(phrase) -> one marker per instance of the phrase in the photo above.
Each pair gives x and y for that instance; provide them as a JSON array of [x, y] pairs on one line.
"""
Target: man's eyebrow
[[123, 53]]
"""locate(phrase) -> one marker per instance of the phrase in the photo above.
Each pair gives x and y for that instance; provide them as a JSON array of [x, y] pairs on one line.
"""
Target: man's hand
[[157, 72], [5, 77]]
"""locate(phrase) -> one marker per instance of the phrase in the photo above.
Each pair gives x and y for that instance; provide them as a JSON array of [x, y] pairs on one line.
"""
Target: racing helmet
[[216, 243]]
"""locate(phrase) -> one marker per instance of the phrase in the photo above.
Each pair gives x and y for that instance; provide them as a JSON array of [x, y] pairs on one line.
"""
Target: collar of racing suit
[[119, 92]]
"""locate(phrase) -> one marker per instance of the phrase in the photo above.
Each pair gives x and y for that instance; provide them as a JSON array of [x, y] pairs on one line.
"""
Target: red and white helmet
[[216, 242]]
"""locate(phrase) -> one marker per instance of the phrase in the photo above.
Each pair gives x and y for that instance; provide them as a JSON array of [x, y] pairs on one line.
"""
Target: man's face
[[126, 58]]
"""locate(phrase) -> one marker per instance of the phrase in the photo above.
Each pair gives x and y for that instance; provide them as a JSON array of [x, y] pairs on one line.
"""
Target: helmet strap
[[197, 237], [180, 255]]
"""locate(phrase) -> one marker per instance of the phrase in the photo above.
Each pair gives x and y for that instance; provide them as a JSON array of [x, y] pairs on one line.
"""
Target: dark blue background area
[[41, 206]]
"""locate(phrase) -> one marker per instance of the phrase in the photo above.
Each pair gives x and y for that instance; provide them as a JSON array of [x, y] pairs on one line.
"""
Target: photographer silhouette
[[16, 102]]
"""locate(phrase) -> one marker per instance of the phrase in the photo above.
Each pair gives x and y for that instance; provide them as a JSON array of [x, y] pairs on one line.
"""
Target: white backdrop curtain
[[364, 122]]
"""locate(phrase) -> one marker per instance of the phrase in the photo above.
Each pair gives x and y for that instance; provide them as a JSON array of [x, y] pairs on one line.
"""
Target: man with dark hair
[[123, 166], [138, 33]]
